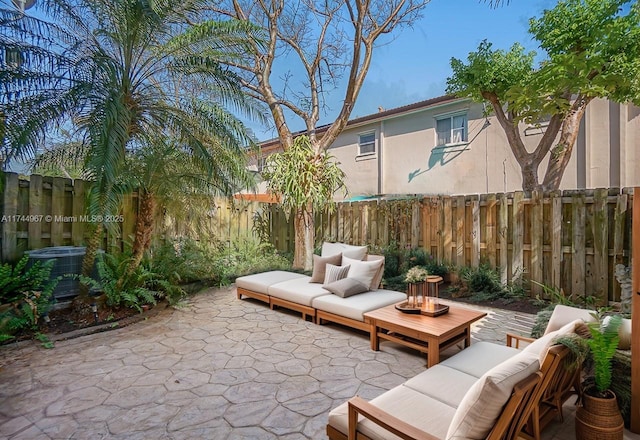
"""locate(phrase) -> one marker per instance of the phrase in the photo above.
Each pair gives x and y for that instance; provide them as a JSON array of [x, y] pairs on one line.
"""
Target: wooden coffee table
[[429, 335]]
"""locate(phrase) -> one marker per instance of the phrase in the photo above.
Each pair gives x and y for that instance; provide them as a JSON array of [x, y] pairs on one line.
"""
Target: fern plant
[[602, 346], [25, 295]]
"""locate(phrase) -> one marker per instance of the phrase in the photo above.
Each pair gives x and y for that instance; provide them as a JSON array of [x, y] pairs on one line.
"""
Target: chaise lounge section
[[321, 299]]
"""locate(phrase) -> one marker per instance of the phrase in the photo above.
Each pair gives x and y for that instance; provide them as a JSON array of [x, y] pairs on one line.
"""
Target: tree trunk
[[91, 250], [304, 239], [529, 170], [144, 230], [561, 153]]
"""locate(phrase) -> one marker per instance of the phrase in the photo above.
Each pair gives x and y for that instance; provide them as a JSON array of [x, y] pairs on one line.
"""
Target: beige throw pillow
[[363, 271], [377, 279], [346, 287], [481, 406], [320, 264]]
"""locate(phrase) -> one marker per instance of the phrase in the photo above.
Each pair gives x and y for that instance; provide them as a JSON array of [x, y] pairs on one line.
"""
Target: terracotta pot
[[599, 418]]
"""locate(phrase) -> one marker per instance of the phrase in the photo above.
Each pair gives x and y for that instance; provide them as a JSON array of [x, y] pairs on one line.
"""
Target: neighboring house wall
[[407, 159]]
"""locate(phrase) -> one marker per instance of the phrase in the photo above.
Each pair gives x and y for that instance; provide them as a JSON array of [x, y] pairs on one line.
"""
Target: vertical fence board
[[578, 257], [556, 239], [36, 211], [491, 228], [440, 229], [475, 234], [9, 223], [600, 246], [57, 210], [80, 188], [504, 242], [517, 259], [415, 224], [460, 233], [536, 242], [447, 230]]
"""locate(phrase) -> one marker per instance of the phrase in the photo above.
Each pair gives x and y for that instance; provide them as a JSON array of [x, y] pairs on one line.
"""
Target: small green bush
[[481, 279], [25, 295]]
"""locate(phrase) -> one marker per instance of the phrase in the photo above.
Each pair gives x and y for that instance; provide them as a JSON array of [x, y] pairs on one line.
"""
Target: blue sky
[[415, 65]]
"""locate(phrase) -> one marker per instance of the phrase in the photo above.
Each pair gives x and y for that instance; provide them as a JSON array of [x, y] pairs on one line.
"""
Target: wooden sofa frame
[[317, 316], [519, 416]]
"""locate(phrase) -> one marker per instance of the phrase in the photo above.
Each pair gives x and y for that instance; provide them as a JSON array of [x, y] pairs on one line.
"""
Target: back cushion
[[540, 346], [562, 315], [481, 406], [320, 264], [347, 250]]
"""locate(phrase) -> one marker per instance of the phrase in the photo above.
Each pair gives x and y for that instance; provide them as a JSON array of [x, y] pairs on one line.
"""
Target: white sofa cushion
[[481, 406], [320, 266], [347, 250], [563, 315], [442, 383], [354, 307], [480, 357], [421, 411], [260, 282], [298, 291], [363, 271]]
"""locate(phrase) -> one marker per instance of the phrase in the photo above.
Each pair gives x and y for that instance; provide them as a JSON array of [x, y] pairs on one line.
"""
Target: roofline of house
[[374, 117]]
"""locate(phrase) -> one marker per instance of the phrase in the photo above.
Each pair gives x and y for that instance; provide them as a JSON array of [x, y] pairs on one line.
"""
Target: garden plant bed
[[516, 304]]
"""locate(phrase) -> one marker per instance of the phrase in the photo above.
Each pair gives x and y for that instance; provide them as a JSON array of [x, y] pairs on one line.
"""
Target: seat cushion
[[299, 291], [442, 383], [260, 282], [480, 358], [421, 411], [347, 250], [481, 406], [354, 307]]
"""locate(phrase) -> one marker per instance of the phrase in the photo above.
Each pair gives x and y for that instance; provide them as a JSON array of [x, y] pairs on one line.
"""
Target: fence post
[[635, 316], [10, 209]]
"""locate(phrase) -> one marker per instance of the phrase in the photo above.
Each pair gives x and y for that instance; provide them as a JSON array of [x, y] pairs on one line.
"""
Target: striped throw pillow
[[334, 273]]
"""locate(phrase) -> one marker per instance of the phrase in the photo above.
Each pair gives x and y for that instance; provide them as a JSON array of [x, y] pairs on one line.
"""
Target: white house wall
[[407, 161]]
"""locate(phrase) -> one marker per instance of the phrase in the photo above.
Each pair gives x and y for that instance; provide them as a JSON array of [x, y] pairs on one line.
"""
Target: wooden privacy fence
[[570, 240], [50, 211]]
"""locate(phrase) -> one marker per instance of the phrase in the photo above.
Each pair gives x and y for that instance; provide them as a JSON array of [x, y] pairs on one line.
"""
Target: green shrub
[[25, 295], [142, 286], [481, 279], [185, 261]]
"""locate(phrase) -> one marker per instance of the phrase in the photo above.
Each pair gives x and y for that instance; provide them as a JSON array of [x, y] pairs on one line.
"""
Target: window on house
[[367, 144], [451, 129]]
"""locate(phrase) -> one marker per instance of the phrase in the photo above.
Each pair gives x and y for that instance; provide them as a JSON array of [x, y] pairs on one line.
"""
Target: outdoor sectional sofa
[[309, 295], [487, 391]]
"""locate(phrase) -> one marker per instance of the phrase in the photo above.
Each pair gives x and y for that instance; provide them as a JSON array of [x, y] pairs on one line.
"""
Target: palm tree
[[131, 76]]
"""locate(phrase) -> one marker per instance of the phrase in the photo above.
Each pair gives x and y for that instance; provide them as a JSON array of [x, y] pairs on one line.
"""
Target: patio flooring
[[218, 368]]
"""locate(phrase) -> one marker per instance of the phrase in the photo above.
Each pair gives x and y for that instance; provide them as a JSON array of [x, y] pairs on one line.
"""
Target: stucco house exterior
[[446, 145]]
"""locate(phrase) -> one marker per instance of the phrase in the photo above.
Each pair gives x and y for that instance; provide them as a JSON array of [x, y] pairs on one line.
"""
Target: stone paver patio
[[218, 369]]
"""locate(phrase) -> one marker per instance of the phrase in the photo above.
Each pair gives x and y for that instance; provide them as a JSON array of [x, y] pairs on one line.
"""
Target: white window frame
[[374, 143], [450, 117]]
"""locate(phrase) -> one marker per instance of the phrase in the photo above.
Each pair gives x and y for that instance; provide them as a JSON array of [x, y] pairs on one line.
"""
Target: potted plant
[[416, 279], [599, 416]]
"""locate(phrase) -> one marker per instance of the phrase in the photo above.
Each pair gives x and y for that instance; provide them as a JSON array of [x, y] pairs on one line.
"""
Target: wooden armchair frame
[[520, 417]]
